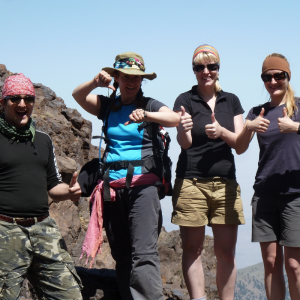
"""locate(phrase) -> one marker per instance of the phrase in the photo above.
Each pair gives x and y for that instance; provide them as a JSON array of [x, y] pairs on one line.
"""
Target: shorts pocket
[[182, 189], [11, 243], [254, 201], [70, 266]]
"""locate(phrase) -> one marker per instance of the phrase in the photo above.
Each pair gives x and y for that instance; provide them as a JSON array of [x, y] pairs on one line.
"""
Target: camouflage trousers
[[38, 253]]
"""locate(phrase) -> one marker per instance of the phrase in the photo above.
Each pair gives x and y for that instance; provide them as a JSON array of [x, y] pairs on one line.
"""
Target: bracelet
[[298, 131]]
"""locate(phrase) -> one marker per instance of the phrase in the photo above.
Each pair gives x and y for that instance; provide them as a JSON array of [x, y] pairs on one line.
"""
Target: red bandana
[[17, 85]]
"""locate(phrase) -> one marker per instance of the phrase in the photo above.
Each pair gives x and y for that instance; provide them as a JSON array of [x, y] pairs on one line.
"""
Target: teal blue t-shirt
[[126, 142]]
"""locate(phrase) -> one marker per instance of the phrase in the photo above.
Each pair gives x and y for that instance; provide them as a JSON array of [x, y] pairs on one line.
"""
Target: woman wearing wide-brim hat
[[133, 220]]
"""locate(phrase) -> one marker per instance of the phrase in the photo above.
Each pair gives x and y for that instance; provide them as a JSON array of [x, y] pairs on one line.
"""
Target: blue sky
[[64, 43]]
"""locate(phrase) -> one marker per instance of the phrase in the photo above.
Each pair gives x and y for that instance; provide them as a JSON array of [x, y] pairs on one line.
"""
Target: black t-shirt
[[26, 177], [279, 157], [207, 158]]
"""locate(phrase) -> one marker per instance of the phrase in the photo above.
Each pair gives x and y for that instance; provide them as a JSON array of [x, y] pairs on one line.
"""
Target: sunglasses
[[210, 67], [277, 76], [17, 99]]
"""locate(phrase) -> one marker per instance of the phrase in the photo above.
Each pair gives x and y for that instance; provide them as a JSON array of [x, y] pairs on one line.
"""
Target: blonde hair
[[204, 57], [289, 95]]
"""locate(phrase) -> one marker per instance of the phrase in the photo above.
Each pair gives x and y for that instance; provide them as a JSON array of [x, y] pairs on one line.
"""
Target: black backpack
[[160, 164]]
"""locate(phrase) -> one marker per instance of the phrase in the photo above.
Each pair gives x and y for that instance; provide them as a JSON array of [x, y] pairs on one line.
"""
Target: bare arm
[[63, 191], [230, 137], [90, 102], [244, 138], [215, 130], [184, 135], [165, 117]]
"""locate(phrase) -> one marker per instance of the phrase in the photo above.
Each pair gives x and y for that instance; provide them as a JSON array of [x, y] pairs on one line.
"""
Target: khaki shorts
[[199, 202]]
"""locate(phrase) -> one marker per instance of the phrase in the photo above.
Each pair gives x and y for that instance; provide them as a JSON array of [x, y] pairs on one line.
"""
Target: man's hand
[[287, 125], [74, 188], [213, 130]]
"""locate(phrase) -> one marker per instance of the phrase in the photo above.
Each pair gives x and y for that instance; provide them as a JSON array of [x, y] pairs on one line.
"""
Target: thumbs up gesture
[[213, 130], [260, 124], [74, 188], [286, 124], [186, 123]]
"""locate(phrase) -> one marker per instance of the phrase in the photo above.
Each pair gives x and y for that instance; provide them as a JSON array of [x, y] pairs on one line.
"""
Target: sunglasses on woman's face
[[17, 99], [277, 76], [210, 67]]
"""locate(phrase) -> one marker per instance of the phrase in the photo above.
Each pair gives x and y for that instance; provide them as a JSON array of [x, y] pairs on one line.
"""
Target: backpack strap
[[118, 165], [152, 129], [104, 127]]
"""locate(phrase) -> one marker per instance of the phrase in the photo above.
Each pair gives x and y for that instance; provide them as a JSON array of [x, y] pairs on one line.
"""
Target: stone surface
[[71, 136]]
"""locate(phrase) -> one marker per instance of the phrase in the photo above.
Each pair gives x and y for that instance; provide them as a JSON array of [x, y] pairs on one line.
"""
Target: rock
[[66, 216], [175, 294], [3, 70], [67, 166], [27, 291], [69, 113]]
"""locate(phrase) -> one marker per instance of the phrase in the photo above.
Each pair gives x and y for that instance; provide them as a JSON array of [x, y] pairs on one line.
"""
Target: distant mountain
[[250, 284]]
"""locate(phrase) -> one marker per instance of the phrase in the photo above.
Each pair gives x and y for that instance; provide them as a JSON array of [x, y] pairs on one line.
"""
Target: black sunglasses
[[277, 76], [210, 67], [17, 99]]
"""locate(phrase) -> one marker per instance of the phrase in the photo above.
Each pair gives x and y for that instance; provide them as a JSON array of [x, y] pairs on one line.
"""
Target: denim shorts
[[199, 202], [276, 218]]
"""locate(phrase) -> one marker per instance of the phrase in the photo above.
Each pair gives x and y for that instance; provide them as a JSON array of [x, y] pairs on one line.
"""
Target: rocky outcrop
[[71, 136], [170, 252]]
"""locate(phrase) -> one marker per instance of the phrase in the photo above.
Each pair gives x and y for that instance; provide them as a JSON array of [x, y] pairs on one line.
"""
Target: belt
[[118, 165], [25, 222]]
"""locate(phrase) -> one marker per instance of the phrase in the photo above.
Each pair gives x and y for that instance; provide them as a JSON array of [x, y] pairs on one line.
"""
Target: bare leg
[[192, 246], [292, 267], [272, 255], [224, 244]]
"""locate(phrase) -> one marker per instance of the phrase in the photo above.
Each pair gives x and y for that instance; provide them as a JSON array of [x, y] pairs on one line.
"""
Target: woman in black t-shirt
[[276, 201], [206, 191]]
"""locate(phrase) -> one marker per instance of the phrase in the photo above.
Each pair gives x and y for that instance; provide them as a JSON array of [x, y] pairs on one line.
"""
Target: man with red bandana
[[30, 243]]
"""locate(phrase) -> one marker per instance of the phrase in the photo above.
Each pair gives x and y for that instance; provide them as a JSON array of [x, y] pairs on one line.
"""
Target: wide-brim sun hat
[[129, 63]]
